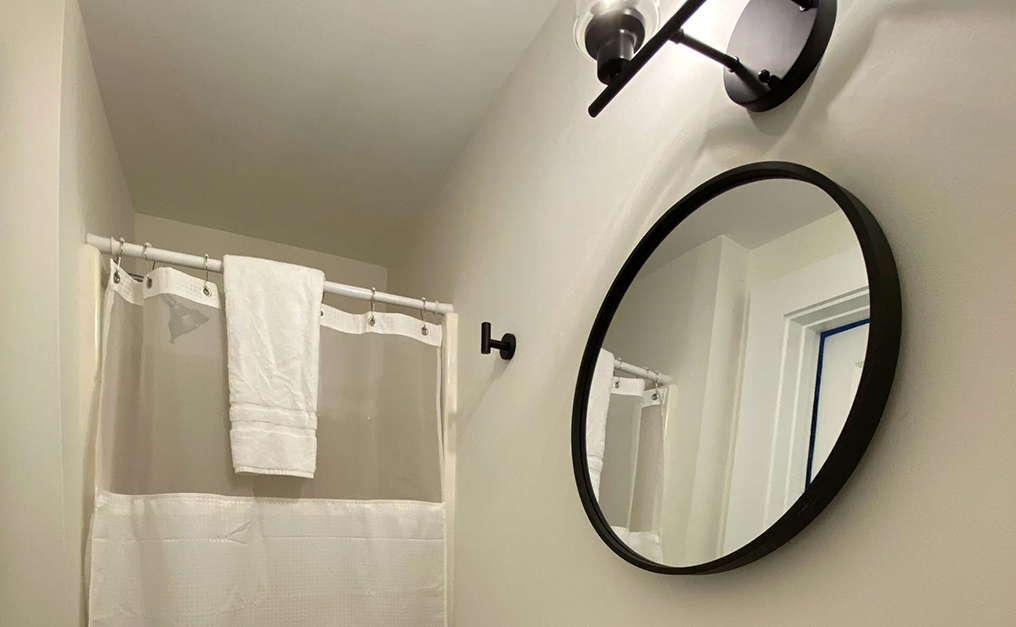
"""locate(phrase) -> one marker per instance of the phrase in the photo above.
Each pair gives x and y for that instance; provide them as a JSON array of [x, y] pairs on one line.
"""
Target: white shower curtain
[[625, 426], [642, 531], [621, 445], [179, 540]]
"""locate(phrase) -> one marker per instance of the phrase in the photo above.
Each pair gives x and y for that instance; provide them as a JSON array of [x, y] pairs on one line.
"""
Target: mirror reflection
[[728, 372]]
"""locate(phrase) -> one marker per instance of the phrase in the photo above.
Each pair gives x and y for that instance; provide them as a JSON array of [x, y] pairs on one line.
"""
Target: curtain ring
[[119, 255], [205, 290], [373, 298], [423, 317], [144, 255], [119, 252]]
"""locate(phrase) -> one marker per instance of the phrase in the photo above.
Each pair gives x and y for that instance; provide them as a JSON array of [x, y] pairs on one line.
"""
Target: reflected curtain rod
[[642, 373], [111, 246]]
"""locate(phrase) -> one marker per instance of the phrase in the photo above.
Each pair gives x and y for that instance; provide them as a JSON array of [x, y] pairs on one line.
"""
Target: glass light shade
[[586, 10], [182, 319]]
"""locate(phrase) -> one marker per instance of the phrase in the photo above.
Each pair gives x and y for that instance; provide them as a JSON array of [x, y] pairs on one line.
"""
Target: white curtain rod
[[642, 373], [112, 246]]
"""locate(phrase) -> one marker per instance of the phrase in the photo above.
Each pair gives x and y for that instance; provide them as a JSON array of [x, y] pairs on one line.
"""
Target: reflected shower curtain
[[642, 531], [179, 540], [629, 420]]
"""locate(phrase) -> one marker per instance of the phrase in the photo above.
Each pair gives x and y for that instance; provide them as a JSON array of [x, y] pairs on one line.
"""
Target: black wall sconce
[[774, 48], [505, 347]]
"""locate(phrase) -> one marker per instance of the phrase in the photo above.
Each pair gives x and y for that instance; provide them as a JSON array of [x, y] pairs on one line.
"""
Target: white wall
[[721, 372], [684, 319], [910, 110], [199, 240], [781, 348], [93, 197], [33, 581], [800, 248], [687, 318], [59, 175], [665, 323]]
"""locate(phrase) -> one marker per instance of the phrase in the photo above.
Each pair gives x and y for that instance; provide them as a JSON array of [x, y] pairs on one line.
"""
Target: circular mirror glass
[[736, 371]]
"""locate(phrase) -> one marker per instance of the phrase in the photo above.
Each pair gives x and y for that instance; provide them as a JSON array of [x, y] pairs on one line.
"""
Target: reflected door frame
[[848, 326], [772, 432]]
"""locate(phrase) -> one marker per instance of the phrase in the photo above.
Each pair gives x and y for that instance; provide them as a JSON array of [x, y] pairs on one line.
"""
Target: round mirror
[[736, 371]]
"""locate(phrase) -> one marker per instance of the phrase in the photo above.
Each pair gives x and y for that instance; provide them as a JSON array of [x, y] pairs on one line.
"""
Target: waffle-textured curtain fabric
[[178, 539]]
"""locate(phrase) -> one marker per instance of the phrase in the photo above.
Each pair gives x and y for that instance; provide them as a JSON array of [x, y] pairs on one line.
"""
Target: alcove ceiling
[[322, 124], [750, 215]]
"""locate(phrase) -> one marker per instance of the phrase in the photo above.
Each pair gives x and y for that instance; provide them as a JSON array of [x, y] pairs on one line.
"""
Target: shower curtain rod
[[112, 246], [642, 373]]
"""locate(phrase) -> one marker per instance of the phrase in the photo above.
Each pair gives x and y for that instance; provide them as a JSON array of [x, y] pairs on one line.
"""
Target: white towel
[[596, 416], [273, 319]]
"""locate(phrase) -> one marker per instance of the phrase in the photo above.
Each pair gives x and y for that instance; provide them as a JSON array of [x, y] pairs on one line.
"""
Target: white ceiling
[[321, 124]]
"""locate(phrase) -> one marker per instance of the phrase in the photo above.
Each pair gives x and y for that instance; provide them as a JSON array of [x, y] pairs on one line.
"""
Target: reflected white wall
[[684, 319]]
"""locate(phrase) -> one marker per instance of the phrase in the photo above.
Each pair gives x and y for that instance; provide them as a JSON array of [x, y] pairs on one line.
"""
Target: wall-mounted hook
[[506, 346]]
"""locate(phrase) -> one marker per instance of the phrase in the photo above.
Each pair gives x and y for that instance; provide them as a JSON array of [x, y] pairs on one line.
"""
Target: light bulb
[[612, 31]]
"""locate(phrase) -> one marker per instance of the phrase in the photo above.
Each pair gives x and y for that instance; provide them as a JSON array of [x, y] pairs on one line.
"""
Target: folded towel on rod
[[273, 317], [596, 417]]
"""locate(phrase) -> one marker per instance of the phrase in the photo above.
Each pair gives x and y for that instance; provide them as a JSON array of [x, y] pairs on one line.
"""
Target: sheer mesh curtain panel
[[179, 538]]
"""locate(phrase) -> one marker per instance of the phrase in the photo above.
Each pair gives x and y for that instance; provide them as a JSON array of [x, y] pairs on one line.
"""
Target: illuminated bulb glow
[[586, 10]]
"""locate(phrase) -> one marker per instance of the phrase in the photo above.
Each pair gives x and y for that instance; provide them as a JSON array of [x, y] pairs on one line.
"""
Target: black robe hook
[[506, 346]]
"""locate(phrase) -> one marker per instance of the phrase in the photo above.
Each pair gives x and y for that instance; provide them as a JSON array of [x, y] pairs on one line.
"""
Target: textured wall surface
[[93, 197], [911, 110], [59, 176], [31, 494]]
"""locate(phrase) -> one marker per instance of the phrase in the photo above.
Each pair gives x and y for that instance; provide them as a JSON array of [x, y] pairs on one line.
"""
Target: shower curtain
[[628, 422], [179, 540]]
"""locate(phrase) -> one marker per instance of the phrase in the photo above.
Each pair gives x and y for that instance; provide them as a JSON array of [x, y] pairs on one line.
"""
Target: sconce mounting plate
[[780, 42], [774, 48]]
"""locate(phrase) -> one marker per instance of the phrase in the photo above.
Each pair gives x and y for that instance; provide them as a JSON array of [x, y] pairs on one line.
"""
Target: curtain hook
[[205, 290], [144, 255], [423, 317], [656, 392], [373, 297], [119, 255]]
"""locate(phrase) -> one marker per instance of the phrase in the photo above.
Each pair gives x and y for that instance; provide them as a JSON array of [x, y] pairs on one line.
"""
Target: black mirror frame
[[872, 392]]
